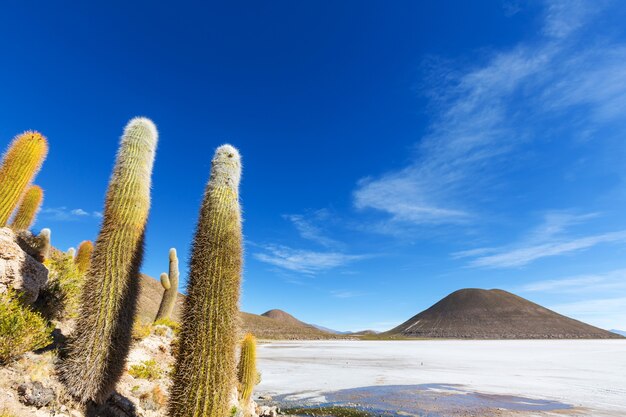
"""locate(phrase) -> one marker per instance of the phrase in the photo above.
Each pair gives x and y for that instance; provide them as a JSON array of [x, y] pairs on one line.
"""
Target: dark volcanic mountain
[[494, 314], [283, 316], [275, 325]]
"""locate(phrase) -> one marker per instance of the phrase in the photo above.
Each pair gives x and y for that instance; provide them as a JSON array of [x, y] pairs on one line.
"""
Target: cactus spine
[[205, 371], [20, 164], [26, 212], [83, 256], [171, 288], [96, 354], [246, 371]]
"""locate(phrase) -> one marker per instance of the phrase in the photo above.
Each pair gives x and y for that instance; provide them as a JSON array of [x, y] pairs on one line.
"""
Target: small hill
[[274, 324], [283, 316], [493, 314]]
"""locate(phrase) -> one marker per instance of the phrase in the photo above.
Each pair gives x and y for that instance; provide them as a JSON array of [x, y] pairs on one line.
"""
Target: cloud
[[304, 261], [581, 284], [346, 294], [546, 240], [483, 114], [607, 313], [525, 255], [309, 227], [64, 214]]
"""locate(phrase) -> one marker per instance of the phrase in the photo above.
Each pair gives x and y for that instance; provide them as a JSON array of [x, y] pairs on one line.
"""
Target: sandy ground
[[587, 375]]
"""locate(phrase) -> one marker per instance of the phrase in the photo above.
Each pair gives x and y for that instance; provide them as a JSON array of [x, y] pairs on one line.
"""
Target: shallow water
[[429, 400]]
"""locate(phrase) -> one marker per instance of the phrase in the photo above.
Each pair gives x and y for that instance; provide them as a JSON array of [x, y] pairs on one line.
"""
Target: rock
[[116, 406], [19, 270], [266, 411], [35, 394]]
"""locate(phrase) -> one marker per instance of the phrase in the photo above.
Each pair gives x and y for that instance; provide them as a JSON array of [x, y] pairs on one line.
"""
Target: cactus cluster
[[19, 166], [246, 371], [205, 370], [170, 285], [83, 256], [28, 208], [95, 357]]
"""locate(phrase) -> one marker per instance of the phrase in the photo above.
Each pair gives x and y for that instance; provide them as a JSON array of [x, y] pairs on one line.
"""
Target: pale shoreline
[[586, 374]]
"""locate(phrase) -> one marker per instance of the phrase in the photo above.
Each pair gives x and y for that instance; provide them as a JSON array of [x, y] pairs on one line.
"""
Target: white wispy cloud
[[613, 281], [346, 294], [607, 313], [483, 114], [304, 261], [66, 214], [525, 255], [311, 227], [548, 239]]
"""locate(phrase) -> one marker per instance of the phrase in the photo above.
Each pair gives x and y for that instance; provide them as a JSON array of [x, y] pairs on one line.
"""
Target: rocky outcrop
[[19, 270]]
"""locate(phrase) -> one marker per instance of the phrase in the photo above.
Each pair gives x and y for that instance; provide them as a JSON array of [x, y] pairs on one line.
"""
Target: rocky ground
[[28, 386]]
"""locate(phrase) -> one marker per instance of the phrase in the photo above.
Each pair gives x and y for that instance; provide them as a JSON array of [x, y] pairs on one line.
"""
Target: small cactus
[[36, 246], [83, 256], [246, 371], [71, 252], [28, 208], [95, 357], [205, 370], [170, 284], [19, 166]]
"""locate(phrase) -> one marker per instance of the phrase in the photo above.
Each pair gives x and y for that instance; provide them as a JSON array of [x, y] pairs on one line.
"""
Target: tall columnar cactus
[[205, 371], [171, 289], [83, 256], [96, 354], [28, 208], [246, 371], [20, 164]]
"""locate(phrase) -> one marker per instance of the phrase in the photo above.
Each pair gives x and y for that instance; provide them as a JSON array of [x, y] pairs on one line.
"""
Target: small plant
[[174, 325], [21, 329], [4, 412], [141, 330], [19, 166], [31, 202], [60, 297], [149, 370], [154, 399], [83, 256]]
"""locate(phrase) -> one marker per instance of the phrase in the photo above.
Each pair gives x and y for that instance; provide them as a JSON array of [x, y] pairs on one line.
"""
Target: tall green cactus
[[205, 371], [246, 371], [95, 357], [171, 289], [19, 166], [83, 256], [28, 208]]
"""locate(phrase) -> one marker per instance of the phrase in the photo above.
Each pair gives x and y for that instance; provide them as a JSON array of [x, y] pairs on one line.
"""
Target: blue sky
[[393, 151]]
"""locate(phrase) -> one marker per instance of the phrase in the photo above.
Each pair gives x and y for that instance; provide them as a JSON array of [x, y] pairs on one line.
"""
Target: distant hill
[[621, 332], [283, 316], [493, 314], [274, 324]]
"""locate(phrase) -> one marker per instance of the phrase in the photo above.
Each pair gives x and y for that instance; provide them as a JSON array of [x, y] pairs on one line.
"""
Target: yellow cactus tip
[[45, 232], [172, 254]]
